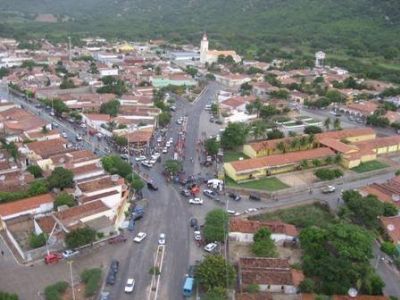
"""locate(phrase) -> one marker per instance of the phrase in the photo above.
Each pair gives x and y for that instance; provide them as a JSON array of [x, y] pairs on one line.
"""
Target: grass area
[[301, 216], [233, 155], [269, 184], [370, 166]]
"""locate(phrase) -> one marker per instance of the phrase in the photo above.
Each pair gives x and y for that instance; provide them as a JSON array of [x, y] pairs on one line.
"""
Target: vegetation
[[55, 291], [8, 296], [370, 166], [80, 237], [110, 108], [64, 199], [328, 174], [234, 135], [136, 182], [312, 129], [112, 85], [60, 178], [270, 184], [263, 245], [173, 167], [67, 84], [211, 145], [120, 140], [37, 240], [35, 170], [217, 293], [35, 188], [215, 272], [92, 280], [116, 165], [164, 118], [215, 225], [389, 248], [275, 134], [301, 216]]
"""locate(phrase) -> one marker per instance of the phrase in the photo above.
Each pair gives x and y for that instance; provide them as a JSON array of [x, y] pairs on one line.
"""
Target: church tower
[[204, 49]]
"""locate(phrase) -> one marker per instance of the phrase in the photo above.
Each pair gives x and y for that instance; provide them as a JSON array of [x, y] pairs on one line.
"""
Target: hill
[[361, 28]]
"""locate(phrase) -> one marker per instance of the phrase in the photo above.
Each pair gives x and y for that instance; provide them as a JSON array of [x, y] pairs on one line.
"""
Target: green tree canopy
[[164, 118], [215, 226], [110, 108], [211, 145], [80, 237], [61, 178], [215, 272], [275, 134], [312, 129], [263, 244], [116, 165], [64, 199], [234, 135], [35, 170], [173, 167]]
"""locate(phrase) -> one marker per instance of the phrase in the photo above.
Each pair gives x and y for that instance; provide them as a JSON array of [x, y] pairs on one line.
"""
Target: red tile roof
[[252, 296], [26, 204], [392, 227], [97, 184], [48, 148], [98, 117], [338, 145], [76, 213], [268, 144], [247, 226], [140, 136], [280, 159], [379, 142], [345, 133]]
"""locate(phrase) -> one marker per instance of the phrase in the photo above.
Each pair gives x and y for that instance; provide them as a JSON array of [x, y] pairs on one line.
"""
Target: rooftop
[[76, 213], [48, 148], [392, 227], [99, 184], [247, 226], [26, 204], [345, 133]]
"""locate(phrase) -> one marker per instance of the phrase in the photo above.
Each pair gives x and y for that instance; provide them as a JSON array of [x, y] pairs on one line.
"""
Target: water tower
[[320, 59]]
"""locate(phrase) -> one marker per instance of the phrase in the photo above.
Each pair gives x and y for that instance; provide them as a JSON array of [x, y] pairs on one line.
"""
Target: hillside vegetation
[[360, 28]]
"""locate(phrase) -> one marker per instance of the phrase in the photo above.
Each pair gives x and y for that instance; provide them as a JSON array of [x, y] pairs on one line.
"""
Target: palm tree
[[257, 105], [337, 124], [328, 160], [259, 129], [281, 146], [304, 164], [303, 141], [311, 140], [327, 123], [294, 144], [338, 158]]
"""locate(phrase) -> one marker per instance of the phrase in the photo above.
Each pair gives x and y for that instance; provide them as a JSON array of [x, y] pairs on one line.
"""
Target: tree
[[335, 96], [294, 143], [164, 118], [59, 107], [316, 162], [110, 108], [337, 124], [312, 129], [217, 293], [253, 288], [92, 280], [173, 167], [280, 94], [80, 237], [192, 71], [259, 129], [55, 291], [64, 199], [245, 89], [37, 240], [215, 272], [137, 182], [307, 286], [267, 111], [35, 170], [282, 147], [60, 178], [67, 84], [212, 146], [327, 123], [38, 187], [215, 109], [116, 165], [275, 134], [234, 135], [120, 140], [389, 248], [389, 209], [7, 296], [328, 174], [215, 225], [263, 244]]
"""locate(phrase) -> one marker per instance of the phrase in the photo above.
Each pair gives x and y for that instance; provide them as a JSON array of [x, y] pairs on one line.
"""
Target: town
[[154, 170]]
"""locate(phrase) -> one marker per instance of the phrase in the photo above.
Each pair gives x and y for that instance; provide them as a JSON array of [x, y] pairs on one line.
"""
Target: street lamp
[[72, 279]]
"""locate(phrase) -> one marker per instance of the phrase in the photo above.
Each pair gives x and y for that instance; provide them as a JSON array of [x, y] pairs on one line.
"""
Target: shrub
[[37, 241], [36, 171], [389, 248], [7, 296], [80, 237], [64, 199], [312, 129], [91, 278], [253, 288], [55, 291], [328, 174]]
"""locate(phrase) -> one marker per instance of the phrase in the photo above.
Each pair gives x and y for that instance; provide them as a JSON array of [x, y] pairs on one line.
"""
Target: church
[[210, 56]]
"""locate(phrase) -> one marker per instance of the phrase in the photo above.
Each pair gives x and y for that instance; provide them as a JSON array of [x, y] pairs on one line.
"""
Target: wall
[[361, 138], [287, 289], [249, 151], [248, 237], [15, 244]]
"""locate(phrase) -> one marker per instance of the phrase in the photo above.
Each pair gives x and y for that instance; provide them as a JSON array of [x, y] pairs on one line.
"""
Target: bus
[[188, 286]]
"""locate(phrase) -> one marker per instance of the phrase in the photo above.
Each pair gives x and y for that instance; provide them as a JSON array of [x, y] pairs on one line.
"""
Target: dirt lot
[[295, 179]]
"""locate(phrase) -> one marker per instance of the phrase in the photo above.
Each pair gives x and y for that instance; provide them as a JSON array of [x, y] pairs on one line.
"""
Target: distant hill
[[359, 26]]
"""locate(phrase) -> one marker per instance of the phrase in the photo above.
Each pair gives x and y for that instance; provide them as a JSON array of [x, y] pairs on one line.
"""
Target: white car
[[161, 239], [140, 237], [210, 247], [64, 134], [197, 235], [83, 125], [147, 163], [165, 150], [69, 253], [156, 156], [167, 144], [171, 140], [140, 158], [198, 201], [159, 140], [130, 285], [249, 210], [99, 135], [152, 161]]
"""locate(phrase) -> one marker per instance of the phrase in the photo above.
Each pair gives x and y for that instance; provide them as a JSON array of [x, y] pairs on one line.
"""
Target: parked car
[[69, 253], [52, 258], [165, 150], [140, 158], [211, 194], [125, 156], [117, 239], [210, 247], [254, 197], [64, 134], [161, 239], [78, 138], [140, 237], [328, 189], [186, 193], [130, 285], [197, 235], [173, 108], [105, 296], [114, 265], [193, 222], [111, 278], [198, 201], [235, 196], [152, 186], [147, 164]]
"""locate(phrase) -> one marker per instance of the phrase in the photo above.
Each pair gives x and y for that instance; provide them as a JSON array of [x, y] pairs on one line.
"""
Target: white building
[[108, 72], [320, 59], [210, 56]]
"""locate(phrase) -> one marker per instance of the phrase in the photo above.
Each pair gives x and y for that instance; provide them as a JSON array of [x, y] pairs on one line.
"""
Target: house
[[96, 120], [242, 230], [272, 275], [388, 191], [19, 121], [211, 56], [236, 104], [253, 168], [28, 206], [140, 138], [391, 225], [36, 151], [232, 80]]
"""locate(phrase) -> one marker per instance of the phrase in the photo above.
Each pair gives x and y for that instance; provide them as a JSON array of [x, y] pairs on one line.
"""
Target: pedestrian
[[2, 253]]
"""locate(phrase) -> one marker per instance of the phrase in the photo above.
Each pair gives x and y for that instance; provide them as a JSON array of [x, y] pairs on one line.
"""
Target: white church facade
[[210, 56]]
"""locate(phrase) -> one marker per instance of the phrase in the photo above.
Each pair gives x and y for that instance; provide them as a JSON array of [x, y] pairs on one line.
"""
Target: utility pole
[[72, 279], [69, 49]]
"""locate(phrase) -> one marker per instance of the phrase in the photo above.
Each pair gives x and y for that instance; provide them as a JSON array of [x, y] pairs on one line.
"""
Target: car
[[124, 156], [78, 137], [64, 134], [198, 201], [105, 296], [159, 139], [219, 122], [234, 196], [167, 144], [161, 239], [210, 247], [186, 193], [211, 194], [114, 266], [249, 210], [328, 189], [147, 164], [207, 107], [83, 125], [152, 161], [197, 235], [193, 222], [165, 150], [130, 285], [69, 253], [52, 113], [152, 186], [171, 140], [254, 197], [173, 108], [55, 125], [140, 158], [231, 212], [212, 120], [140, 237], [156, 156], [117, 239], [111, 278]]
